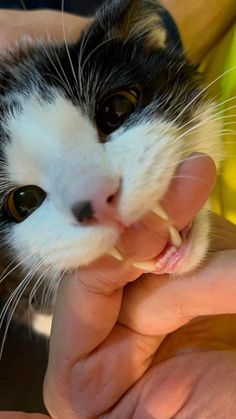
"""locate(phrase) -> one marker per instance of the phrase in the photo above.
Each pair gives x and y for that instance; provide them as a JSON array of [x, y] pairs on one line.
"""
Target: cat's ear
[[144, 21]]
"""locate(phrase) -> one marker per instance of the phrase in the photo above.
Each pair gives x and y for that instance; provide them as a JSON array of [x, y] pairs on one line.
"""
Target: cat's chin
[[192, 252]]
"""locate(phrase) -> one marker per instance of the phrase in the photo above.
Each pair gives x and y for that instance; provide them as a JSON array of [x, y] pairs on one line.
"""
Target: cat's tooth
[[148, 266], [116, 254], [158, 210], [175, 237]]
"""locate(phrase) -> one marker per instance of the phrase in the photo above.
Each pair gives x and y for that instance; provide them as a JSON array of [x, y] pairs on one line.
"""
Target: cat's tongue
[[190, 188]]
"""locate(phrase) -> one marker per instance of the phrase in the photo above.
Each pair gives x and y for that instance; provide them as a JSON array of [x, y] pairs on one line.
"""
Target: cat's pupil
[[117, 110], [114, 111], [26, 200], [21, 202]]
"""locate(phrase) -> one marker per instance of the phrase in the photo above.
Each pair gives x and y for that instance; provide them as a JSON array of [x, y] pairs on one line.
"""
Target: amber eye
[[114, 110], [21, 202]]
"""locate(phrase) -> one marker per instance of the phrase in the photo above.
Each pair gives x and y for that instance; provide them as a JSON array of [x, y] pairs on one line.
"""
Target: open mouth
[[173, 254], [170, 259]]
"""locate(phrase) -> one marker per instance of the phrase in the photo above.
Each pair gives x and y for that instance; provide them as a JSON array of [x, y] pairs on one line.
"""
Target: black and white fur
[[48, 100]]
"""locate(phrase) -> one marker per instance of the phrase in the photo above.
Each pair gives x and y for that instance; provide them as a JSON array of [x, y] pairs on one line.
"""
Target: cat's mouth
[[175, 251], [173, 254], [170, 259]]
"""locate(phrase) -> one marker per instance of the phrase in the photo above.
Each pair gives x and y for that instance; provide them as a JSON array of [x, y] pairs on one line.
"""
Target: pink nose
[[102, 205]]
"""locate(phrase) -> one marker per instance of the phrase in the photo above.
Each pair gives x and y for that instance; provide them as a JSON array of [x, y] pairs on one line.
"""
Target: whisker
[[55, 281], [4, 276], [65, 82], [14, 300], [65, 40], [191, 178], [204, 90], [23, 5]]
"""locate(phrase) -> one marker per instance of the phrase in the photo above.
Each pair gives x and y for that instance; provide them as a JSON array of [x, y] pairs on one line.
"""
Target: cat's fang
[[175, 237], [148, 266], [158, 210], [116, 254]]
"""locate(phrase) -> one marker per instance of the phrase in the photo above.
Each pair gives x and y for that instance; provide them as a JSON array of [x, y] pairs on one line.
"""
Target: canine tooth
[[145, 266], [175, 237], [116, 254], [158, 210]]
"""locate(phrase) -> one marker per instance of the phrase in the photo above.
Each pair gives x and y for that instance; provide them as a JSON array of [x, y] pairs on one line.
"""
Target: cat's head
[[92, 134]]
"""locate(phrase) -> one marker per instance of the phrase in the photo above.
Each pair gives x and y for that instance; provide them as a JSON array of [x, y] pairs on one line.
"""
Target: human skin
[[141, 396], [210, 23], [105, 351]]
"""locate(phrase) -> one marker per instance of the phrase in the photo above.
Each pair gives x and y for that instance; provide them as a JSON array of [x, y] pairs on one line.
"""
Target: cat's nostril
[[101, 204], [110, 198], [83, 211]]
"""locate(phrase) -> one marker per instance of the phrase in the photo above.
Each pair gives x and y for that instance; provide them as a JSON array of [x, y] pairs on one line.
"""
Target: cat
[[91, 135]]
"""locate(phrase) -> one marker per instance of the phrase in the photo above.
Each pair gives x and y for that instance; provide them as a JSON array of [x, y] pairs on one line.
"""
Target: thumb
[[157, 305], [82, 319]]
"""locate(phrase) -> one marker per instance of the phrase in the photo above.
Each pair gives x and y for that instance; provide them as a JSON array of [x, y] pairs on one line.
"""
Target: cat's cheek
[[145, 156]]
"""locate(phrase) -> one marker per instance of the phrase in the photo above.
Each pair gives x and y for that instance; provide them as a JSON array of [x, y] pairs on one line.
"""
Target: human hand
[[85, 379], [193, 375], [38, 25], [99, 359]]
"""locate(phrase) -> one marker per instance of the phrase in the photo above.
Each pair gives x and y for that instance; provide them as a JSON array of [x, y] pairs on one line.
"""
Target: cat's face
[[93, 136]]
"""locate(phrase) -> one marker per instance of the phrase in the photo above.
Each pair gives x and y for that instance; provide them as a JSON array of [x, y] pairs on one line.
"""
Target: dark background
[[24, 359], [85, 7]]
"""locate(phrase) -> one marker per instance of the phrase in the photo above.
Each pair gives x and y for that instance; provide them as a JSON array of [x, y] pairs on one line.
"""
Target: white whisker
[[66, 43]]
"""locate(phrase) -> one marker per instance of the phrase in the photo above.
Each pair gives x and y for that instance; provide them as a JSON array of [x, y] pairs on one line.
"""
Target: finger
[[208, 291], [96, 383], [77, 384], [83, 319], [175, 307], [22, 415], [185, 386], [190, 188], [38, 25]]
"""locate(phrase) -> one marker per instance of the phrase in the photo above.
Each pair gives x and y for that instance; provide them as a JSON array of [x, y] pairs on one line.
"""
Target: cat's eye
[[114, 110], [21, 202]]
